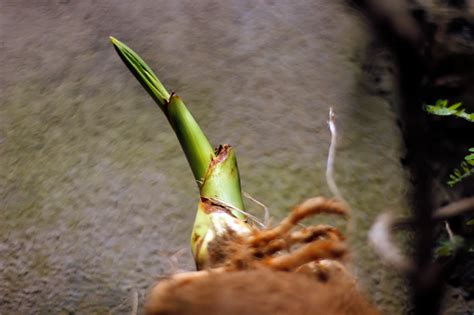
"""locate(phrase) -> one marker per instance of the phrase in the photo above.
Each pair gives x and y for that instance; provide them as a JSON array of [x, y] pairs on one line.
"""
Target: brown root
[[306, 209], [260, 291], [274, 247], [272, 271]]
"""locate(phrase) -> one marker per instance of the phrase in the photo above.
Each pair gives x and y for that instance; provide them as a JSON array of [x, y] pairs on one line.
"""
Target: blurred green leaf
[[441, 108], [448, 248]]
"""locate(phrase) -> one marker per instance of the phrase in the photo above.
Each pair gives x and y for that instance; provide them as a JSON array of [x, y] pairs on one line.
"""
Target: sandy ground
[[95, 195]]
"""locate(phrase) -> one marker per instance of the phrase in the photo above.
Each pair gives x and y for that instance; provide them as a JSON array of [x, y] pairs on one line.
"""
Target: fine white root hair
[[331, 156], [231, 207], [266, 212], [134, 302], [450, 232], [330, 170]]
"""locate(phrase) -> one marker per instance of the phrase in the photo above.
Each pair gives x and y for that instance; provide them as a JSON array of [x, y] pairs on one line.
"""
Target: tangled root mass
[[282, 270]]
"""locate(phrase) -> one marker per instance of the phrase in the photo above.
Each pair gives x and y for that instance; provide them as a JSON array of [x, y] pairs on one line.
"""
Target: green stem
[[224, 172], [194, 143], [216, 213], [196, 147]]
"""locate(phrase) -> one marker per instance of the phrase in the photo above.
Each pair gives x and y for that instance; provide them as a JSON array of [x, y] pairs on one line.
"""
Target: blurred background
[[96, 198]]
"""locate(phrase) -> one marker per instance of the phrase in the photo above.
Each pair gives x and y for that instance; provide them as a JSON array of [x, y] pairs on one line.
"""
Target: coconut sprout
[[243, 267]]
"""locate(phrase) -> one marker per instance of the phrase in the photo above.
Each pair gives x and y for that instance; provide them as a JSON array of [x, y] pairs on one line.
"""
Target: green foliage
[[448, 248], [466, 168], [441, 108]]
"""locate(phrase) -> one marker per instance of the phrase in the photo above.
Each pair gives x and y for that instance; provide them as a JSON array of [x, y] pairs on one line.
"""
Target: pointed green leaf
[[441, 109], [455, 106], [142, 72]]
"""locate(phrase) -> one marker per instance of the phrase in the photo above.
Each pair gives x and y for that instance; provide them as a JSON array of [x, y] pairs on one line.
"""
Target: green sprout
[[221, 208]]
